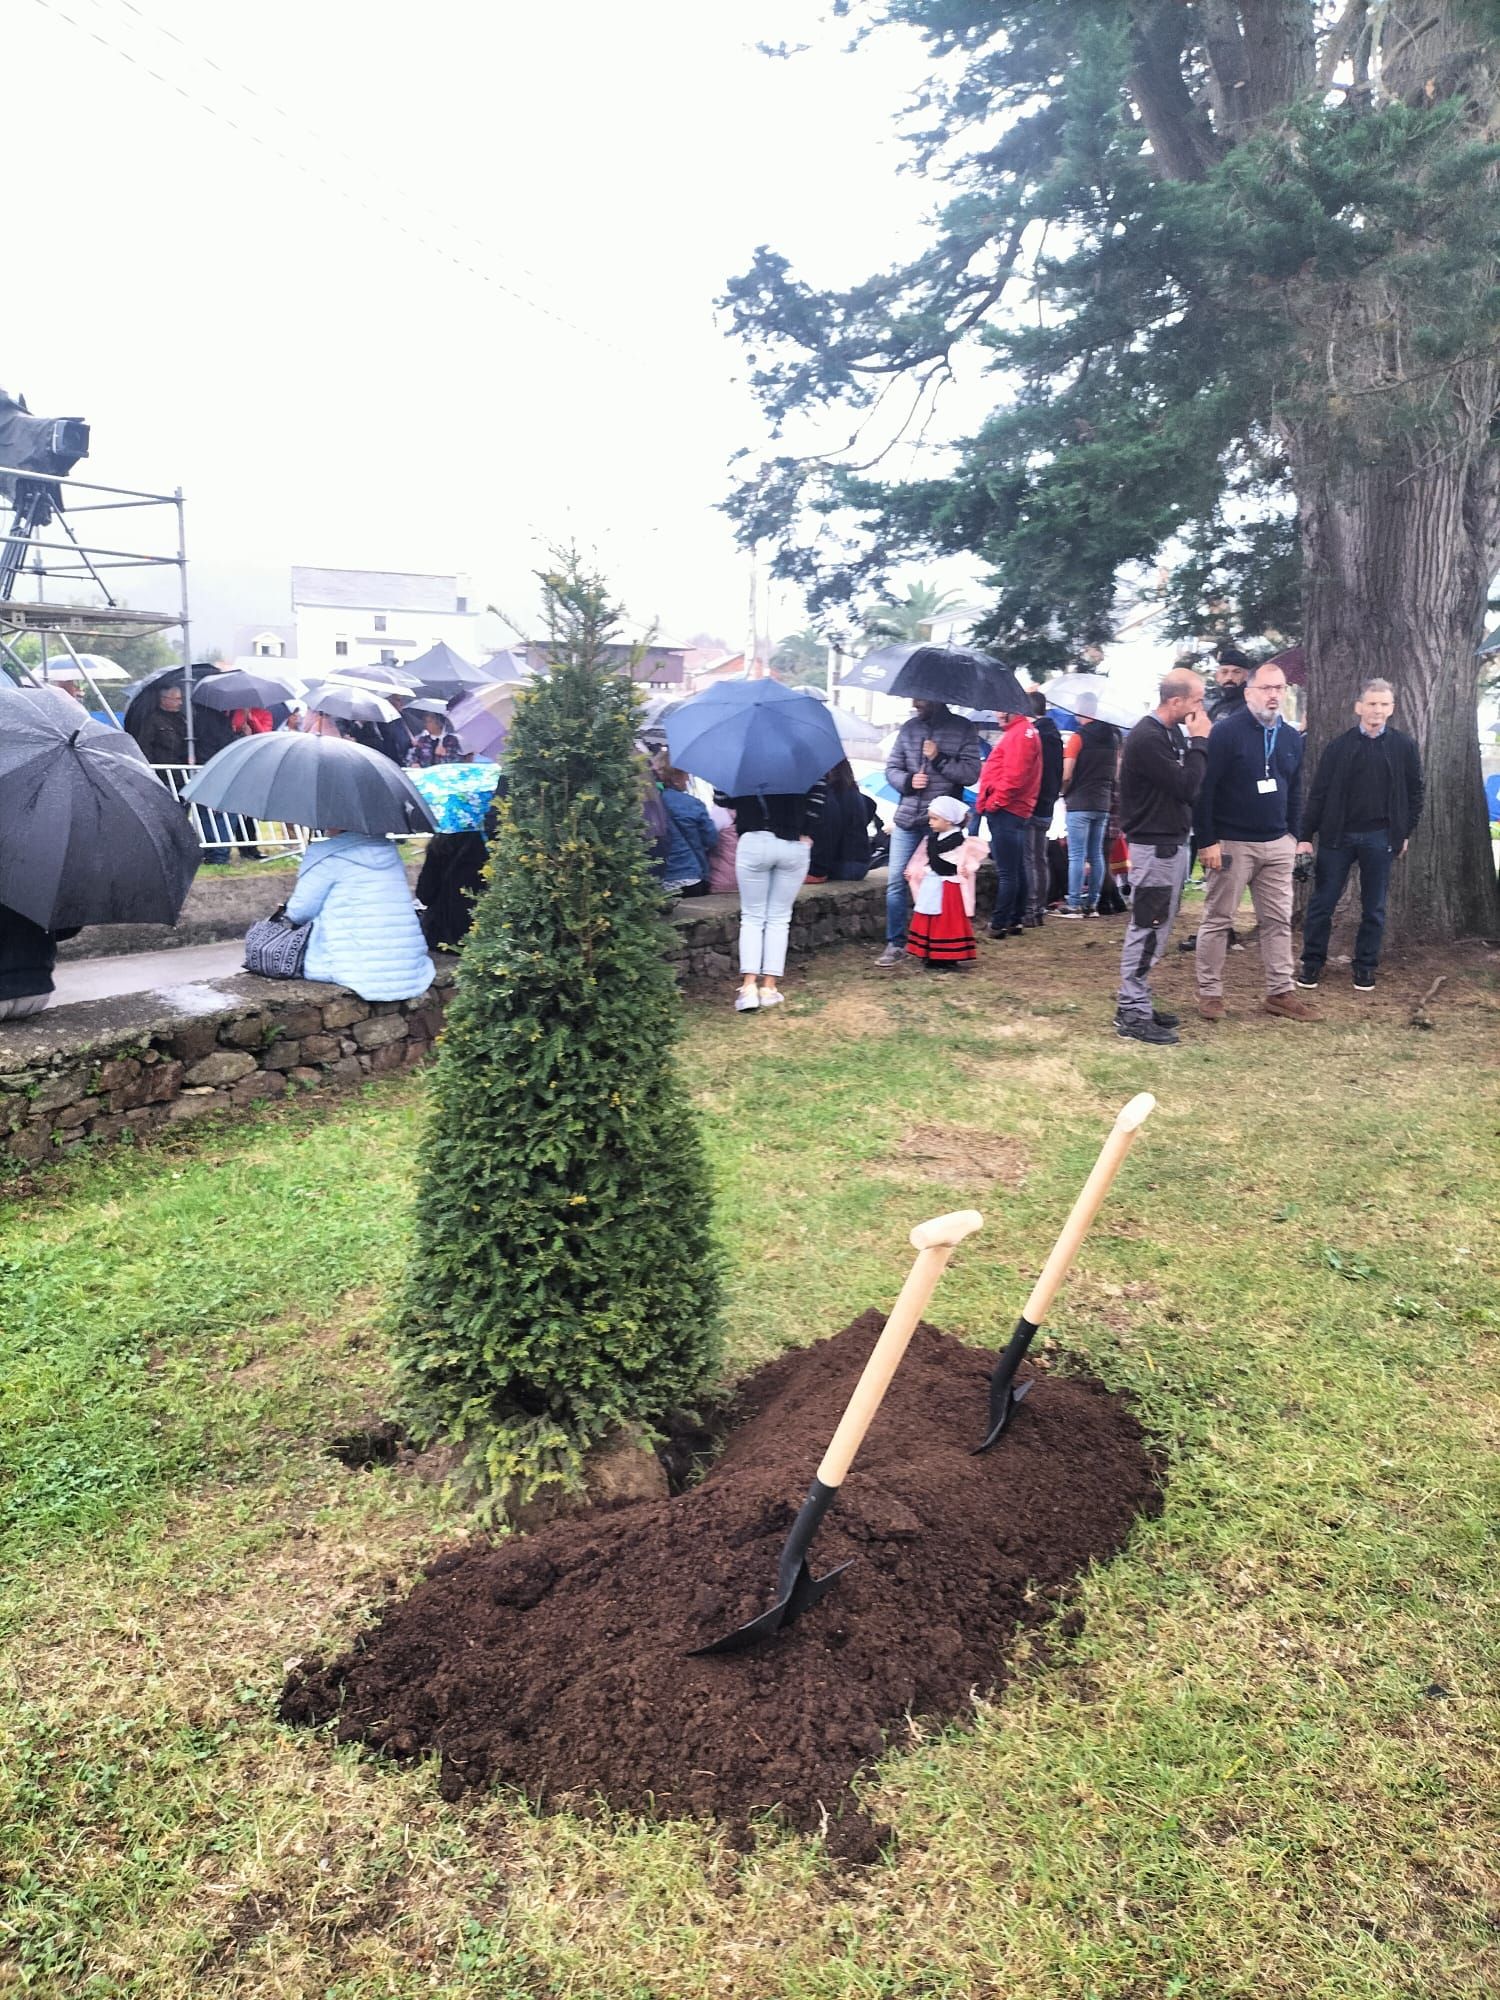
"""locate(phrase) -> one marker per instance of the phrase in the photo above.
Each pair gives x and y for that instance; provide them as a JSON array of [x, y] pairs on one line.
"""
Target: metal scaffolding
[[69, 563]]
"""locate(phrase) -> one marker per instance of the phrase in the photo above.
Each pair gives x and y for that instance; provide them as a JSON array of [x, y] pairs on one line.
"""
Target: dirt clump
[[558, 1662]]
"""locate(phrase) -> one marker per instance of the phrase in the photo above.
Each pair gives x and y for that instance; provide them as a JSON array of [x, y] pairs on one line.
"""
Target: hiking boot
[[1290, 1008], [1164, 1020], [892, 955], [1308, 979], [1364, 979], [1211, 1007], [1145, 1031]]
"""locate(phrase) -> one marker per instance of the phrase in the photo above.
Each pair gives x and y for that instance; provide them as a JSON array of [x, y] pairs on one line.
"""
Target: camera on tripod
[[37, 451]]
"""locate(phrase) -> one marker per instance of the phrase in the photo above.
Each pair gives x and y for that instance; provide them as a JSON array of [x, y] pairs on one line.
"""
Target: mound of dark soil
[[557, 1662]]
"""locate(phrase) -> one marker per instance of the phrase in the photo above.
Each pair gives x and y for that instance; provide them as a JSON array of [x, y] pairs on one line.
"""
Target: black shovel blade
[[998, 1421], [804, 1594], [797, 1589], [1003, 1394]]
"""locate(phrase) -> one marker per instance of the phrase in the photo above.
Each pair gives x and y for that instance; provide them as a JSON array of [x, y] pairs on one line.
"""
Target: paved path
[[147, 972]]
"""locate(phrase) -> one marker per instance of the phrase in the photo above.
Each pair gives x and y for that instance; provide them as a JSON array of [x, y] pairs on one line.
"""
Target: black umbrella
[[242, 689], [962, 678], [200, 671], [88, 835], [877, 670], [442, 671], [311, 781]]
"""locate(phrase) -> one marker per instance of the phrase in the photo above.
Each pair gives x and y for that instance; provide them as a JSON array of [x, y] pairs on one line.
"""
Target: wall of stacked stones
[[300, 1037], [76, 1075]]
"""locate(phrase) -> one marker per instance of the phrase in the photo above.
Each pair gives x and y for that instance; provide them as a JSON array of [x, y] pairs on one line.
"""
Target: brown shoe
[[1290, 1008], [1211, 1007]]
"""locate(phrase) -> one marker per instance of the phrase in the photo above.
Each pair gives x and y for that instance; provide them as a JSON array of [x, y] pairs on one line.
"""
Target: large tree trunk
[[1398, 560]]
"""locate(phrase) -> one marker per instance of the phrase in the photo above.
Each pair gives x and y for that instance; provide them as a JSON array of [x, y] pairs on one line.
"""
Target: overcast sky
[[512, 341]]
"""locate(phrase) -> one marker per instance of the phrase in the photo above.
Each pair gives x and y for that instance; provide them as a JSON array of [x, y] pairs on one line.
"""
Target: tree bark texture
[[1398, 558]]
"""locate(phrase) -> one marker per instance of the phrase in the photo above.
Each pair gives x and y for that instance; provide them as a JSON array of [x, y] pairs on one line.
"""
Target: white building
[[358, 617]]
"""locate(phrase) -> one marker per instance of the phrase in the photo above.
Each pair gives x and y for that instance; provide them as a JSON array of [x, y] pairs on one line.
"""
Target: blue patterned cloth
[[457, 795]]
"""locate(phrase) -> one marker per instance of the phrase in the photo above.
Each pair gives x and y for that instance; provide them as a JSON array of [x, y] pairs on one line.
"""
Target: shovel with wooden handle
[[1003, 1396], [797, 1589]]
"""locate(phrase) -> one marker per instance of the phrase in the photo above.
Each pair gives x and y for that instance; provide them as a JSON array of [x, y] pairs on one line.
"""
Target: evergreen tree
[[563, 1280], [1256, 246]]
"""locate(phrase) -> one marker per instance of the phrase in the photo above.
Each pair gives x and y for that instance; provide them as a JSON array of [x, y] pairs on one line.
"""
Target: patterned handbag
[[276, 948]]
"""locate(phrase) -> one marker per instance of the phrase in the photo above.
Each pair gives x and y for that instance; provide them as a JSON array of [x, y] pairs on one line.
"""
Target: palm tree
[[913, 616], [801, 658]]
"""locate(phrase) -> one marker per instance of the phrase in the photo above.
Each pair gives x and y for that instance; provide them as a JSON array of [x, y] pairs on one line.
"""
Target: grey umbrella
[[88, 835], [311, 781], [348, 703], [854, 732], [442, 671]]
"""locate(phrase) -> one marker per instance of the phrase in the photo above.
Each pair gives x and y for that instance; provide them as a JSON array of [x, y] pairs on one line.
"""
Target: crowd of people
[[1212, 774]]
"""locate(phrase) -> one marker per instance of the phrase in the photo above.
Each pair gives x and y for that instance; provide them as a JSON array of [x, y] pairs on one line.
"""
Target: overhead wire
[[310, 172]]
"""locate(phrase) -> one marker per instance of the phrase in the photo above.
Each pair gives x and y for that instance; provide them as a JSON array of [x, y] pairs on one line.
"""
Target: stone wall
[[106, 1070], [93, 1077], [707, 928]]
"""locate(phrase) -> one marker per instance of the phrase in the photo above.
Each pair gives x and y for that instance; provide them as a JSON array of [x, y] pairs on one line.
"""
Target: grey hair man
[[1364, 802], [1161, 770]]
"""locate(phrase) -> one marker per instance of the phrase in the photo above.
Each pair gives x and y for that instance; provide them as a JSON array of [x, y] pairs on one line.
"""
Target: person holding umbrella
[[87, 836], [937, 754], [432, 741], [28, 954], [764, 749]]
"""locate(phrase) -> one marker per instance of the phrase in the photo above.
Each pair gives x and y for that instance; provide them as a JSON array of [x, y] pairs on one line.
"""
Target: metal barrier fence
[[220, 831]]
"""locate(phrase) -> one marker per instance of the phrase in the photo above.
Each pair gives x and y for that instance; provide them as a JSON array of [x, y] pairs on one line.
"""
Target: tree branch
[[1182, 139]]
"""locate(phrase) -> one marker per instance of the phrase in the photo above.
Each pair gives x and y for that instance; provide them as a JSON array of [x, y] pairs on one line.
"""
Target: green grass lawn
[[1264, 1767]]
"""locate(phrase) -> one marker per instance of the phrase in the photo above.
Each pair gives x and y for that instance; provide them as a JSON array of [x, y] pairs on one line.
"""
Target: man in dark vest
[[1366, 798]]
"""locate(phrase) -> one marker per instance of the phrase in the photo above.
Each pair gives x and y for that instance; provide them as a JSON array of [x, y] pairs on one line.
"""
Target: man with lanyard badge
[[1247, 822]]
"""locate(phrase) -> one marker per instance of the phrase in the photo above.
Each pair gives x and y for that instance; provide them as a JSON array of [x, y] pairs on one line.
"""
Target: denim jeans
[[905, 840], [769, 873], [1036, 866], [1372, 851], [1086, 844], [1008, 846]]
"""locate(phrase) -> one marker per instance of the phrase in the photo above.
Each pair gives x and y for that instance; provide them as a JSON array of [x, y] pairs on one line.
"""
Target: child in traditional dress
[[940, 933]]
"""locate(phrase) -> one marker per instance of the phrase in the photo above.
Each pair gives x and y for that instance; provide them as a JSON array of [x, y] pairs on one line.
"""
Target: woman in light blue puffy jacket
[[365, 933]]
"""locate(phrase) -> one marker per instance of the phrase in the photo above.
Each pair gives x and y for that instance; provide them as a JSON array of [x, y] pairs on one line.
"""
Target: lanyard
[[1270, 742]]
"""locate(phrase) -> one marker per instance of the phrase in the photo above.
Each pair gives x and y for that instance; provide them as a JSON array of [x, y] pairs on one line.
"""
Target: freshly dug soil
[[557, 1662]]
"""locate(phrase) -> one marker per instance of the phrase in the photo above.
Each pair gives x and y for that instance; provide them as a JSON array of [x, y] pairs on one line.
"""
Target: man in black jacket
[[1160, 773], [1366, 798], [1035, 834]]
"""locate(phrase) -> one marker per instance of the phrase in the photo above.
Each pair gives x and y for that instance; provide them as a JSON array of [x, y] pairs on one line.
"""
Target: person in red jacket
[[1008, 787]]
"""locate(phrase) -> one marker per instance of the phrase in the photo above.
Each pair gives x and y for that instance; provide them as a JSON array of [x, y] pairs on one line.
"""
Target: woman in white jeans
[[770, 865]]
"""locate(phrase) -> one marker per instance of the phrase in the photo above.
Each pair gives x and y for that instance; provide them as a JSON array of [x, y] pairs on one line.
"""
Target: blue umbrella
[[754, 736]]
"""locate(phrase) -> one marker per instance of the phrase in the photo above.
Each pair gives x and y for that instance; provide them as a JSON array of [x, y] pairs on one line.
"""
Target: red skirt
[[947, 938]]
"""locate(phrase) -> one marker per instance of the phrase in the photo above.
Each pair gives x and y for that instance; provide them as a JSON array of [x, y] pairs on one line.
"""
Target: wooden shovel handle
[[1088, 1204], [934, 1242]]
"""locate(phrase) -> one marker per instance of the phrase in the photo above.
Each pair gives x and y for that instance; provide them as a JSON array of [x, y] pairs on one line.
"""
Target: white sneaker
[[771, 996], [746, 1000]]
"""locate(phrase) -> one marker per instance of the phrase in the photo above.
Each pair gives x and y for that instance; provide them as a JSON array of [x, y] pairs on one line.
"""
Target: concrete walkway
[[192, 965]]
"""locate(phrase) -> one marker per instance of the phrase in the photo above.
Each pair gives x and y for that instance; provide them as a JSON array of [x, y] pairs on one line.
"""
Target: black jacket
[[1160, 775], [27, 955], [1328, 796], [162, 736], [1052, 763], [841, 837], [1222, 701], [788, 815]]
